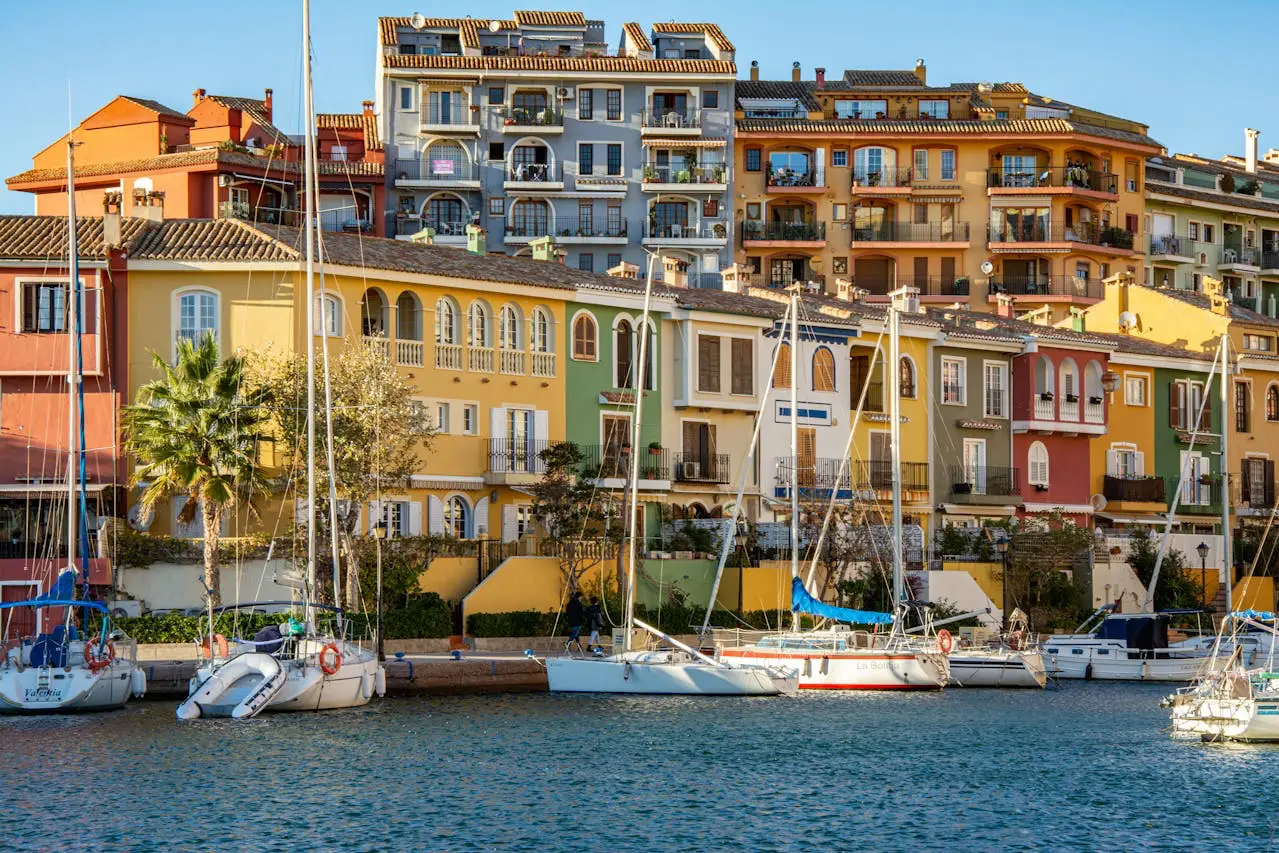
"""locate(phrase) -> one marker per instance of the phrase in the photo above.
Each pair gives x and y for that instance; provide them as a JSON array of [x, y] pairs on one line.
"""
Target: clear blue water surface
[[1082, 767]]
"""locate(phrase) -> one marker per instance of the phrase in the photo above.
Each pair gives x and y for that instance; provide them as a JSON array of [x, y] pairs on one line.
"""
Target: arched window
[[478, 332], [457, 517], [446, 325], [408, 317], [530, 219], [446, 214], [623, 355], [823, 370], [1037, 464], [198, 315], [373, 314], [906, 378], [1272, 403], [781, 372], [585, 343], [1069, 381], [543, 331], [328, 315], [509, 328], [1044, 376], [444, 160]]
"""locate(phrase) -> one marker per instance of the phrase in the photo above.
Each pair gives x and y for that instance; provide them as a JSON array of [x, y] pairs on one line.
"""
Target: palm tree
[[194, 433]]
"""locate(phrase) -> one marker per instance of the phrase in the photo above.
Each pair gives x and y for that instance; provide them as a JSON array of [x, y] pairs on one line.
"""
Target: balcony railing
[[1068, 409], [480, 359], [783, 178], [679, 231], [1240, 255], [446, 228], [1045, 410], [379, 344], [824, 474], [590, 228], [935, 285], [1169, 244], [912, 232], [525, 117], [448, 356], [534, 173], [245, 212], [707, 172], [510, 361], [790, 232], [410, 353], [1094, 412], [1049, 285], [1150, 489], [672, 119], [614, 463], [1070, 177], [984, 480], [543, 363], [872, 178], [438, 169], [1197, 495], [527, 229], [1270, 259], [702, 467], [457, 114], [517, 455], [1035, 231]]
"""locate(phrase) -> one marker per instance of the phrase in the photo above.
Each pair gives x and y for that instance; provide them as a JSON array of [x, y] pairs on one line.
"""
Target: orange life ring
[[96, 661], [330, 669], [944, 642], [217, 641]]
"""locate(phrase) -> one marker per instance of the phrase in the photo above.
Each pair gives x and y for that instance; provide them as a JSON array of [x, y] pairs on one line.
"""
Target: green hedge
[[673, 619]]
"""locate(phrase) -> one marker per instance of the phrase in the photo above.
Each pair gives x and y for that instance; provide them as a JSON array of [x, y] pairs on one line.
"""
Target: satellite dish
[[1127, 320], [987, 268], [495, 26], [417, 21], [1098, 502]]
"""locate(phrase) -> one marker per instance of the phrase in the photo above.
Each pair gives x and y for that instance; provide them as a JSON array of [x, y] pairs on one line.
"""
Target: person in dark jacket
[[594, 624], [574, 615]]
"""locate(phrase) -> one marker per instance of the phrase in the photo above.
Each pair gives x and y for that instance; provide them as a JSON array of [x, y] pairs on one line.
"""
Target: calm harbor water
[[1082, 767]]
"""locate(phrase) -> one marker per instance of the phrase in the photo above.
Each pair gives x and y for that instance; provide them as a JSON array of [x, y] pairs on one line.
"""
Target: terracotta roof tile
[[637, 36], [352, 121], [388, 27], [255, 109], [881, 77], [205, 156], [45, 237], [208, 240], [535, 18], [159, 108], [562, 63], [1195, 194], [1016, 127], [712, 31], [1237, 312], [779, 89]]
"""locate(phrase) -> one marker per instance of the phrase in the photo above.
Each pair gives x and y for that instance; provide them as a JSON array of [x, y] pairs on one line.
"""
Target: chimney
[[266, 102], [1005, 307], [1218, 300], [674, 272], [1250, 149], [197, 96], [821, 77], [846, 291], [543, 248], [153, 210], [1078, 319], [755, 69], [794, 72], [979, 294], [111, 204], [736, 278], [921, 71], [477, 240], [425, 237], [368, 109], [624, 270]]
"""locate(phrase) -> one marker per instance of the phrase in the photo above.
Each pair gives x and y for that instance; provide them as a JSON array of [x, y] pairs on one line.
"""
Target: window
[[1126, 462], [1258, 343], [613, 222], [906, 378], [947, 165], [197, 315], [920, 214], [613, 98], [938, 109], [446, 322], [1001, 115], [44, 306], [585, 158], [839, 157], [781, 369], [1131, 223], [839, 212], [328, 315], [614, 259], [456, 517], [337, 153], [615, 158], [995, 390], [866, 392], [497, 151], [395, 515], [585, 104], [823, 370], [509, 329], [406, 98], [1272, 403], [861, 109], [543, 331], [497, 207], [441, 422], [954, 385], [496, 96], [586, 262], [710, 99], [1209, 235], [742, 366], [710, 208], [471, 419], [1192, 230], [708, 363], [585, 347], [1243, 407], [1193, 490], [1184, 400], [1037, 464], [753, 211], [921, 164], [1135, 390], [623, 357], [754, 157]]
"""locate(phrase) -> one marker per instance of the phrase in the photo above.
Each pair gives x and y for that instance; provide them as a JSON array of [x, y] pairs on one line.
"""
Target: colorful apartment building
[[878, 178], [533, 127]]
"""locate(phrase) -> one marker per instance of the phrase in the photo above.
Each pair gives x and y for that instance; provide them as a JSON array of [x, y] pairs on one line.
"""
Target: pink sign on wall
[[441, 167]]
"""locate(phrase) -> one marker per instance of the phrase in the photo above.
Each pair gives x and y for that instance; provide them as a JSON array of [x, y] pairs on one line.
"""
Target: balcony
[[541, 122], [983, 484], [705, 176], [1094, 411], [1270, 262], [410, 353], [1066, 286], [948, 234], [438, 172], [606, 462], [543, 364], [1235, 258], [245, 212], [480, 359], [448, 356], [1028, 235], [701, 467], [1045, 408], [1135, 489], [447, 232], [706, 234], [789, 182], [456, 118], [889, 181], [1059, 414], [515, 461], [1058, 180], [534, 176], [806, 234], [591, 231], [510, 362], [1173, 249], [522, 232], [379, 344], [670, 122], [935, 285]]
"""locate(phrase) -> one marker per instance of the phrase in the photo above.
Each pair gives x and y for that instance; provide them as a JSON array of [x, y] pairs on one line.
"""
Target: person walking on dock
[[574, 615], [595, 624]]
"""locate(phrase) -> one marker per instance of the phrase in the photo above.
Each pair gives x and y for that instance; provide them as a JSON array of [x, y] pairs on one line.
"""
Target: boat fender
[[1015, 640], [138, 682], [825, 666], [944, 641], [366, 686], [808, 667], [330, 659], [218, 642], [379, 682], [1088, 672], [95, 660], [626, 673]]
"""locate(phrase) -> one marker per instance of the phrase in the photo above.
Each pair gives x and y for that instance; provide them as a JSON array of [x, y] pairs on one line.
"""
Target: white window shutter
[[480, 523], [1112, 463], [510, 523], [821, 167], [1139, 463], [415, 518], [435, 515], [497, 437], [375, 515], [539, 439]]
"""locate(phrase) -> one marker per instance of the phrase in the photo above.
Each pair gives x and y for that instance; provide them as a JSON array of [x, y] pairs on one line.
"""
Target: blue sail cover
[[61, 594], [802, 602], [1256, 615]]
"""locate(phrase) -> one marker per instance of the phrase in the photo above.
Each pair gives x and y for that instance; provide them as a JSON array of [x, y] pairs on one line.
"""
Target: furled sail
[[802, 602]]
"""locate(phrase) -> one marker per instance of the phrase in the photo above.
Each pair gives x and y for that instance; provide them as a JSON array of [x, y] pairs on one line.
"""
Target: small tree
[[569, 509], [845, 545], [194, 433], [1175, 589], [1043, 555]]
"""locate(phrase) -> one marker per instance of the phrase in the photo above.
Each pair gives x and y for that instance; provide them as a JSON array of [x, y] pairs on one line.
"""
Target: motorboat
[[1121, 647]]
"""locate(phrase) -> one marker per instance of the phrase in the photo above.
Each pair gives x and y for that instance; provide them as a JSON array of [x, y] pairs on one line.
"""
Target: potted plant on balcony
[[961, 286], [655, 448], [717, 173], [719, 230], [961, 488], [1046, 395], [1096, 401], [1041, 487], [650, 175], [683, 176], [1072, 398]]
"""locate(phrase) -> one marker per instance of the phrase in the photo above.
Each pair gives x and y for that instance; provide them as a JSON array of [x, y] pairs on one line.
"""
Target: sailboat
[[298, 667], [679, 669], [1230, 700], [838, 657], [60, 670], [1015, 661]]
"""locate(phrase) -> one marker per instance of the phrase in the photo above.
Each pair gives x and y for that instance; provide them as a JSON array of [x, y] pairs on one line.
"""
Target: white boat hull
[[854, 669], [997, 668], [663, 673], [1114, 667], [1213, 718], [57, 689]]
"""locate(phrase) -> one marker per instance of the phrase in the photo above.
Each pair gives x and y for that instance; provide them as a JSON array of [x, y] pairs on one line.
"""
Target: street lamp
[[1202, 548], [1002, 547], [380, 531]]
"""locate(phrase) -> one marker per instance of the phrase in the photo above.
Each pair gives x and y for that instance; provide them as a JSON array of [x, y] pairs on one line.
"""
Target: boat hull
[[1090, 666], [56, 690], [997, 668], [659, 674], [854, 669], [1214, 718], [306, 687]]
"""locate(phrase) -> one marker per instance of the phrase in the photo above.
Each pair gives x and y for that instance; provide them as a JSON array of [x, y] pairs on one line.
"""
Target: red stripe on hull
[[815, 656], [867, 687]]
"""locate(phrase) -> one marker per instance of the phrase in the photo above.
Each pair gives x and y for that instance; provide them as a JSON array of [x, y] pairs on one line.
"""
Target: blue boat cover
[[61, 594], [802, 602], [1256, 615]]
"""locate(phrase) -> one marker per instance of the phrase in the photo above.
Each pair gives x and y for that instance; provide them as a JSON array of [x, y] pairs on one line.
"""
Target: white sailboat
[[60, 670], [839, 658], [1015, 661], [681, 669], [297, 668], [1230, 700]]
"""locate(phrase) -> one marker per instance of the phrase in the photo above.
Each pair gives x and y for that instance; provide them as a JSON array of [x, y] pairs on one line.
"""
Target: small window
[[1001, 115], [947, 165], [753, 158], [497, 206], [920, 213], [742, 367], [614, 158], [954, 384], [44, 306], [406, 98], [995, 390], [710, 99], [1037, 464], [497, 151], [614, 103], [753, 211], [1192, 230], [585, 347], [906, 378], [586, 262], [1209, 233], [495, 96], [710, 208], [921, 164], [585, 158], [614, 260], [708, 363], [839, 157], [781, 370], [839, 211], [328, 316], [471, 419], [823, 370], [938, 109], [1135, 391], [1272, 403], [585, 104], [442, 417]]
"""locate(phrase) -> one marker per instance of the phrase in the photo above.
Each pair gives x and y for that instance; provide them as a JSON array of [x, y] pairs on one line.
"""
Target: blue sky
[[1170, 64]]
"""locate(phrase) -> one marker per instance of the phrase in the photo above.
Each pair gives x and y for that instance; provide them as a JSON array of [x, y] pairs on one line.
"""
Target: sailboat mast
[[1227, 558], [794, 441], [312, 580], [73, 377], [639, 374], [895, 447]]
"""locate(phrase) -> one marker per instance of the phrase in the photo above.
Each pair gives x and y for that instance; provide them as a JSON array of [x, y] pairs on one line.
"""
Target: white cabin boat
[[1121, 647]]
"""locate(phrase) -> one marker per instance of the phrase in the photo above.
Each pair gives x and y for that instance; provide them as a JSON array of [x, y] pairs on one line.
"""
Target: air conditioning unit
[[690, 470], [564, 92], [224, 180]]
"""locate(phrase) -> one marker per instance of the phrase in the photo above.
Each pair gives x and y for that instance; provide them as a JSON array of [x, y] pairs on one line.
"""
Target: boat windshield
[[800, 643]]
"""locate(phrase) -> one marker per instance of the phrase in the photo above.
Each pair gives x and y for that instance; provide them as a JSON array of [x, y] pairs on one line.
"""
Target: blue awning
[[802, 602]]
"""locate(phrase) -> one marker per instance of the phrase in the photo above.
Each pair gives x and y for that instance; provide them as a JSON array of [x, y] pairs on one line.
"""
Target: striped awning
[[446, 81], [693, 142]]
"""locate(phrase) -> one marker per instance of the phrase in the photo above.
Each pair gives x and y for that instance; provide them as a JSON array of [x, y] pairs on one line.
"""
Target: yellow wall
[[766, 586], [520, 583], [1257, 593], [451, 578], [989, 576]]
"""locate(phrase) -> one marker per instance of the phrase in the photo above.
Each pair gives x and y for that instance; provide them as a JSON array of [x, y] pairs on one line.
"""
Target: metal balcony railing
[[246, 212], [1170, 244], [912, 232], [1236, 254], [794, 232], [789, 178], [534, 172], [886, 177], [707, 172], [1151, 489], [539, 228], [1035, 231], [435, 169], [602, 461], [680, 231], [517, 455], [1070, 177], [590, 228], [701, 467], [671, 119], [1048, 285], [455, 114], [532, 117], [984, 480]]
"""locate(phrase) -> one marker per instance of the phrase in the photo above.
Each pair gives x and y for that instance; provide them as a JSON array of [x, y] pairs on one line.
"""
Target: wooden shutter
[[743, 366], [30, 303], [692, 440], [1270, 482], [921, 274], [1112, 463], [947, 271], [708, 363], [480, 524], [708, 446], [1205, 417], [859, 367], [781, 373], [1176, 392], [1140, 464], [415, 517], [510, 523], [434, 515]]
